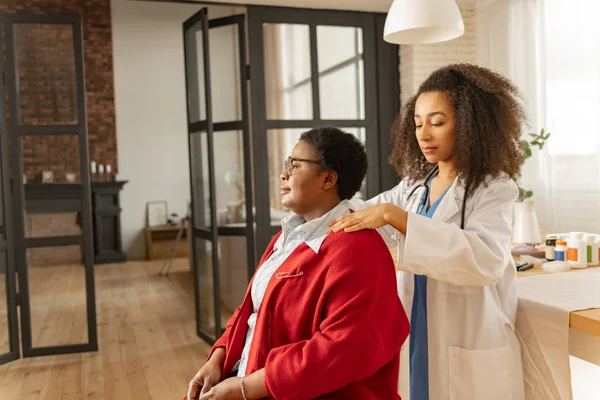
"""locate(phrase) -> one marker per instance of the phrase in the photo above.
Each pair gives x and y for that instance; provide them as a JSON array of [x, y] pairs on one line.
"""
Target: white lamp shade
[[423, 21]]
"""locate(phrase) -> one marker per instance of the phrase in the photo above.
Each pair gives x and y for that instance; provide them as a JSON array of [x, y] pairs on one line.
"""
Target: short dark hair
[[341, 152]]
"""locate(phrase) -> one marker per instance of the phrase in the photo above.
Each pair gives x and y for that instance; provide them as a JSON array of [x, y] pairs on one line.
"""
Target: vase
[[526, 229]]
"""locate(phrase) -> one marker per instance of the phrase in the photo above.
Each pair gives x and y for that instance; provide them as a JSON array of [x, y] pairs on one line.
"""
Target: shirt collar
[[314, 232]]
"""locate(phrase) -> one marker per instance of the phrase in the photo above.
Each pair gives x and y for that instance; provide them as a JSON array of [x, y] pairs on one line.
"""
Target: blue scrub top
[[419, 362]]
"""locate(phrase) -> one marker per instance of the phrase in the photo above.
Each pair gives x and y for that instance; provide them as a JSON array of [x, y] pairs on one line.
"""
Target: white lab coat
[[471, 294]]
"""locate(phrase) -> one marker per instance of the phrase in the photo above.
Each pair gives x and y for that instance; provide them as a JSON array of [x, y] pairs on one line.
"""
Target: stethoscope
[[425, 195]]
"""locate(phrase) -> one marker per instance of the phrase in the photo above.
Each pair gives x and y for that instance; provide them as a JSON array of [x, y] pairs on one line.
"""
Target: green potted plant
[[538, 140], [526, 228]]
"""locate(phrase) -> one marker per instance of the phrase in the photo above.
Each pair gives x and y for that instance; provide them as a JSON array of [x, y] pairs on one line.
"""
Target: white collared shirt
[[295, 231]]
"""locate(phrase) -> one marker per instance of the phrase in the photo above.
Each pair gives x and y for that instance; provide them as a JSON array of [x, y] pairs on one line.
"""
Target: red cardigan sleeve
[[363, 328], [224, 339]]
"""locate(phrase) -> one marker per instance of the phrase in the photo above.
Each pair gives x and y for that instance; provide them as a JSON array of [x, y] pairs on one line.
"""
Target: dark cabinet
[[48, 198], [106, 213]]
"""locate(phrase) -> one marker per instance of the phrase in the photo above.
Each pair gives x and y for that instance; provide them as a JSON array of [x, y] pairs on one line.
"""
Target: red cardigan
[[333, 329]]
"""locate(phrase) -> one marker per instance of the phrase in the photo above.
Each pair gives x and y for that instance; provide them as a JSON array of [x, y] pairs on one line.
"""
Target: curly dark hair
[[489, 117], [341, 152]]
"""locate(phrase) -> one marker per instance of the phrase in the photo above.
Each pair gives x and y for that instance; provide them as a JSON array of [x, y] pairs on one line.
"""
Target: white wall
[[150, 104]]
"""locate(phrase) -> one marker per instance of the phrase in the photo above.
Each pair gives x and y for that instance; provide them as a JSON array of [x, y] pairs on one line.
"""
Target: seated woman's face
[[302, 182]]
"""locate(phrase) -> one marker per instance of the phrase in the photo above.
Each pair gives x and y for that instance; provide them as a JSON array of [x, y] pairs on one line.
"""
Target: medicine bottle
[[560, 251], [550, 245], [577, 250], [591, 250]]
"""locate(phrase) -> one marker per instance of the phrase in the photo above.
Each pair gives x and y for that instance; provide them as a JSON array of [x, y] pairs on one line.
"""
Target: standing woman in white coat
[[456, 145]]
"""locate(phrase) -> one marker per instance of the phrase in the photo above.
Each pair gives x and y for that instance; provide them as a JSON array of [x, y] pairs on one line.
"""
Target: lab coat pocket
[[480, 374]]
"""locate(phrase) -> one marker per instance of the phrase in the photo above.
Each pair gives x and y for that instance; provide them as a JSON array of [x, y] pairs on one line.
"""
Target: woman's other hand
[[369, 218], [208, 376], [229, 389]]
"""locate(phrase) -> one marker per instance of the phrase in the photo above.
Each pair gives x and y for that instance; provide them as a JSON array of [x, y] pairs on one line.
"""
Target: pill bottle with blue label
[[560, 251]]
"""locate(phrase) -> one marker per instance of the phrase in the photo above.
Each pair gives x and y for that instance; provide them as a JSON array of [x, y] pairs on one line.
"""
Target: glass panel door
[[205, 258], [9, 340], [223, 258], [51, 183]]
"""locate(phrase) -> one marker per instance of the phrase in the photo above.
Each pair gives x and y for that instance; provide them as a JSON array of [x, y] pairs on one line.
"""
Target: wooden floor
[[146, 332], [58, 307]]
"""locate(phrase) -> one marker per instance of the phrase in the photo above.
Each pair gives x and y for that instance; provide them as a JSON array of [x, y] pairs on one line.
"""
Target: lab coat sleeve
[[477, 255], [363, 327], [393, 196]]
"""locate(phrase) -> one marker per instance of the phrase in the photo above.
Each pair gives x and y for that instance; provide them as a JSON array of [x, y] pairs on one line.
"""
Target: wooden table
[[584, 332], [587, 321], [160, 241]]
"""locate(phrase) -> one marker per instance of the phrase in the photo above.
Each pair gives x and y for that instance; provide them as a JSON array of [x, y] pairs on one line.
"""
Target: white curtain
[[551, 50], [572, 104]]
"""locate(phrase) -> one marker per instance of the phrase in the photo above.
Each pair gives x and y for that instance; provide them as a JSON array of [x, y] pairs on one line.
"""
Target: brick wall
[[418, 61], [54, 224], [47, 73]]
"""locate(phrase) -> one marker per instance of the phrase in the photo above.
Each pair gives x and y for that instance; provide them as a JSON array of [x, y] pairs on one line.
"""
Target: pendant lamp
[[423, 21]]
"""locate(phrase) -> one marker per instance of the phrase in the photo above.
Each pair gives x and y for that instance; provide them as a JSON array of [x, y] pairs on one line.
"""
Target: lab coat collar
[[451, 203], [448, 207]]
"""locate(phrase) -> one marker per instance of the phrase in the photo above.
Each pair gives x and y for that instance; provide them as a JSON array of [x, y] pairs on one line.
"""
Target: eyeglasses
[[290, 160]]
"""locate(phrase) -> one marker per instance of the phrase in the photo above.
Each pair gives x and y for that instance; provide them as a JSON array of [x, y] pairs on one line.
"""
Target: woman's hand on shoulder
[[369, 218]]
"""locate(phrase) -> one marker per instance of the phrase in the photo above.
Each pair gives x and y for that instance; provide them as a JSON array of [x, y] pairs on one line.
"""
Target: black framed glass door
[[9, 336], [306, 68], [47, 131], [220, 164], [310, 68]]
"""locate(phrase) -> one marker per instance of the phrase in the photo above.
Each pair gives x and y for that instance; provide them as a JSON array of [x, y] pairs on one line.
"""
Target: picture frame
[[47, 176], [156, 213], [70, 177]]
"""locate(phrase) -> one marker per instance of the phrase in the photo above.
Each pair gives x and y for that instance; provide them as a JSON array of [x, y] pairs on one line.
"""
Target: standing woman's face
[[434, 121]]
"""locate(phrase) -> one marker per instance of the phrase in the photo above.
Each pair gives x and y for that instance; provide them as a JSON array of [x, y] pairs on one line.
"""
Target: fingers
[[207, 386], [354, 228], [192, 393], [207, 392], [343, 223], [194, 387], [340, 220], [206, 395]]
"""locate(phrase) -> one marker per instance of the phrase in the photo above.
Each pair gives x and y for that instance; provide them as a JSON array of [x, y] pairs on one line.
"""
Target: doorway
[[46, 243]]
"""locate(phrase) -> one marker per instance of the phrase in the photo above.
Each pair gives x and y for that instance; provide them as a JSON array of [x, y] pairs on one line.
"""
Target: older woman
[[321, 317]]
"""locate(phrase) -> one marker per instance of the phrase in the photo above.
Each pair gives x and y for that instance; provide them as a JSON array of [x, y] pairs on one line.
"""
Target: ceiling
[[351, 5]]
